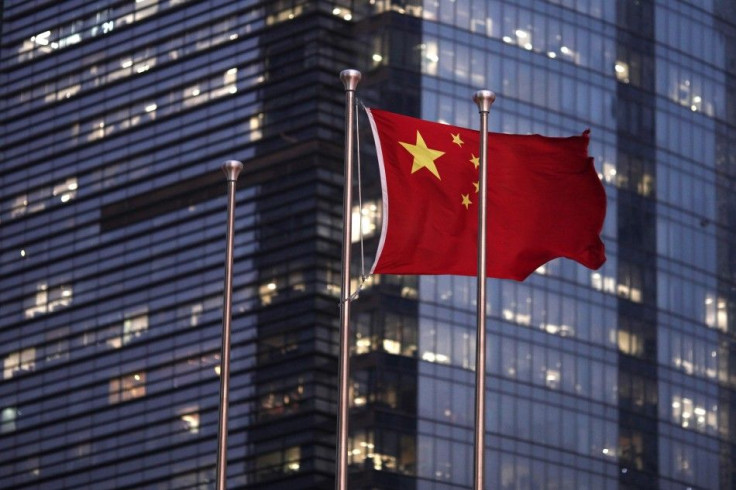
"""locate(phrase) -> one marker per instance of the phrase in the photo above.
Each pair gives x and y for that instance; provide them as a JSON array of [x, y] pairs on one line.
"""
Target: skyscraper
[[116, 118]]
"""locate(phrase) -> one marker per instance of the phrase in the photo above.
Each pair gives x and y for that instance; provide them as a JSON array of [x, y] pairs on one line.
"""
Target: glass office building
[[117, 115]]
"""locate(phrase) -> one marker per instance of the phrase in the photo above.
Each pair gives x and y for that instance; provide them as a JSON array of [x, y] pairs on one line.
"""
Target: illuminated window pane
[[19, 362], [59, 296], [7, 419], [67, 190], [134, 325], [189, 419], [365, 220], [18, 206], [127, 387]]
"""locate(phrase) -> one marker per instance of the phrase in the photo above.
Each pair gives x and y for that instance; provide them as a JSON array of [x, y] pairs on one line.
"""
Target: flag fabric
[[544, 200]]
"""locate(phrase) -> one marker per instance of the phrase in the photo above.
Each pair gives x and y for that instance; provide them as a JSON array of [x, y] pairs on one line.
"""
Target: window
[[278, 463], [189, 419], [127, 387], [7, 419], [57, 345], [716, 312], [47, 299], [195, 314], [365, 220], [278, 400], [135, 323], [695, 414], [19, 362]]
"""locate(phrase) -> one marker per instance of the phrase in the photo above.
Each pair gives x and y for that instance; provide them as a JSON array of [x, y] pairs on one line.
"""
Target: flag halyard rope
[[363, 276]]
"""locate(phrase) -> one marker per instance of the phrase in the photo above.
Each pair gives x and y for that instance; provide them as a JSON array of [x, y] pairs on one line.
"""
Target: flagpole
[[232, 169], [483, 99], [350, 79]]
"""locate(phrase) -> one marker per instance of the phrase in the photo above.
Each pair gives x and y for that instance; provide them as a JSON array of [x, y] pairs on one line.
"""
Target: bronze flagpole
[[350, 79], [483, 99], [232, 169]]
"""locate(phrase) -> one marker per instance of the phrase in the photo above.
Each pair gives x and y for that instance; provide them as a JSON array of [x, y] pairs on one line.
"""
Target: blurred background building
[[116, 117]]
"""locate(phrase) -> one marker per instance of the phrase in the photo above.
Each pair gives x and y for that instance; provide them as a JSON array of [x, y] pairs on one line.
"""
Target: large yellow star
[[424, 157], [456, 139], [466, 200]]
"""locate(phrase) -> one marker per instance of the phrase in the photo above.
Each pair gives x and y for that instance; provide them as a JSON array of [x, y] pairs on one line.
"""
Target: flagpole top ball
[[350, 78], [484, 99], [232, 169]]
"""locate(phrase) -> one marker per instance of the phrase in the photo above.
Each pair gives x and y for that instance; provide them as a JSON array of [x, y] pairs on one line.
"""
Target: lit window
[[255, 123], [343, 12], [135, 324], [18, 206], [392, 346], [189, 419], [19, 362], [230, 80], [112, 337], [279, 400], [609, 173], [127, 387], [227, 85], [697, 102], [277, 463], [694, 415], [267, 292], [360, 447], [523, 39], [622, 71], [362, 345], [284, 15], [144, 8], [436, 357], [716, 312], [42, 38], [7, 419], [561, 330], [552, 379], [59, 296], [67, 190], [365, 220], [37, 199], [97, 130], [48, 299], [630, 343], [194, 95], [195, 314], [430, 57], [68, 41]]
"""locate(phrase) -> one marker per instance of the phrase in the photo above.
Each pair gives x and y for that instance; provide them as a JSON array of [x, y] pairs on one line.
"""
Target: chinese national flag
[[545, 200]]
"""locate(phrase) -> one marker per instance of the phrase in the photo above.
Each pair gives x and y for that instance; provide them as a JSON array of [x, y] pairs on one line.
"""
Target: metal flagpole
[[232, 170], [484, 99], [350, 79]]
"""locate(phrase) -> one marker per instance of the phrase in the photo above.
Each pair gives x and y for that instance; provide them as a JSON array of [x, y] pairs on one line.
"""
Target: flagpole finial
[[350, 78], [484, 99], [232, 169]]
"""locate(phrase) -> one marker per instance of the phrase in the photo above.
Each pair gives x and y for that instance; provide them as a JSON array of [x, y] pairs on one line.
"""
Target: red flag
[[545, 200]]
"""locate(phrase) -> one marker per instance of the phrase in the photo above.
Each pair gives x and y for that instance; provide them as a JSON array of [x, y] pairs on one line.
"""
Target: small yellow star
[[456, 139], [476, 187], [474, 160], [424, 157], [466, 200]]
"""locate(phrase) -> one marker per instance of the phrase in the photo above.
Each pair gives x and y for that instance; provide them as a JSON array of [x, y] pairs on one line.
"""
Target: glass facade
[[117, 116]]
